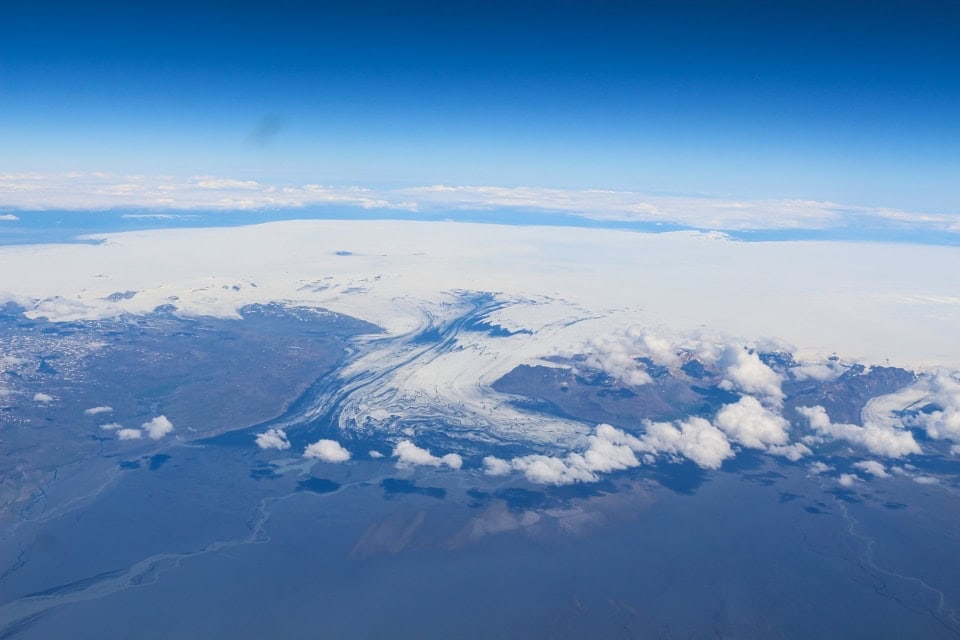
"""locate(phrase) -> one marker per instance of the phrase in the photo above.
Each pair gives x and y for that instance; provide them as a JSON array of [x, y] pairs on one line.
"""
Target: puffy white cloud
[[94, 411], [376, 455], [273, 439], [550, 470], [817, 467], [744, 370], [881, 440], [820, 371], [944, 422], [616, 356], [752, 425], [408, 453], [42, 398], [848, 479], [925, 480], [792, 452], [693, 438], [8, 217], [494, 466], [872, 467], [327, 451], [111, 426], [610, 449], [129, 434], [157, 427]]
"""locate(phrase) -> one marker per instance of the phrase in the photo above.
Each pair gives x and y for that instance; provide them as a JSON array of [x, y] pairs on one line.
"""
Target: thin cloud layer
[[95, 411], [105, 190]]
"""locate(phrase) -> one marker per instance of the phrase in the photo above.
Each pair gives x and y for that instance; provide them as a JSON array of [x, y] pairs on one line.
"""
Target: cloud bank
[[105, 190]]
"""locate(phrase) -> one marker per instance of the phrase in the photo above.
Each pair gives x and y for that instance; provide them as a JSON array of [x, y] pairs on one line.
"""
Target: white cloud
[[408, 453], [925, 480], [8, 217], [157, 427], [376, 455], [820, 371], [129, 434], [327, 451], [943, 391], [273, 439], [881, 440], [113, 426], [101, 190], [94, 411], [848, 479], [752, 425], [745, 371], [542, 469], [792, 452], [817, 467], [610, 449], [693, 438], [872, 467], [494, 466], [42, 397]]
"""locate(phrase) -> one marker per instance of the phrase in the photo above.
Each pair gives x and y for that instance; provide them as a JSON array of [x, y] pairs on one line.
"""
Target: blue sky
[[856, 103]]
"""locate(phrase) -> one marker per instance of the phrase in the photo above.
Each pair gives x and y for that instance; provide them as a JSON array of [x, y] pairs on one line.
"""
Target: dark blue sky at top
[[855, 102]]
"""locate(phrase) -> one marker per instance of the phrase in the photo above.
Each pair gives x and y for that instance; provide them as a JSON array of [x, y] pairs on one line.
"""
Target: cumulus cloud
[[752, 425], [848, 479], [376, 455], [94, 411], [872, 467], [112, 426], [881, 440], [494, 466], [327, 451], [8, 217], [817, 467], [129, 434], [42, 398], [693, 438], [611, 449], [618, 358], [819, 371], [745, 371], [273, 439], [792, 452], [925, 480], [409, 454], [943, 423], [157, 427]]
